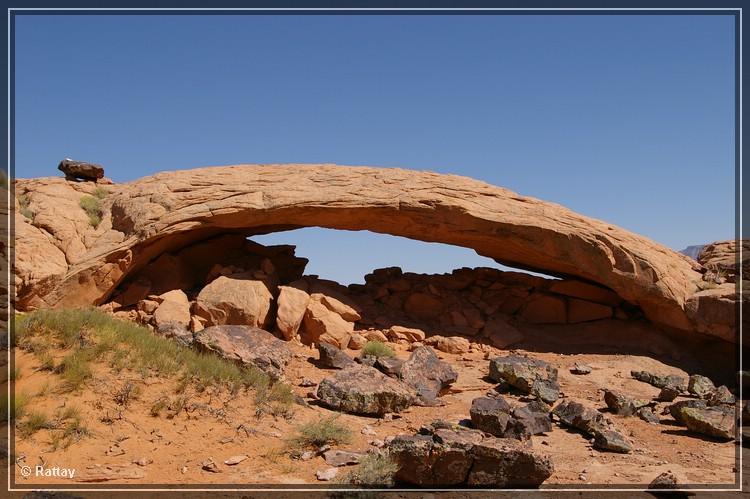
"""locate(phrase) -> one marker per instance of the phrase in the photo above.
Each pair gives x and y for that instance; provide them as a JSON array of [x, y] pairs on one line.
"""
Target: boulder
[[348, 313], [713, 422], [81, 169], [592, 423], [490, 414], [666, 480], [580, 369], [700, 386], [457, 456], [333, 358], [530, 419], [390, 366], [667, 394], [721, 396], [508, 463], [323, 325], [660, 381], [248, 345], [531, 376], [451, 344], [411, 334], [376, 335], [291, 306], [647, 415], [676, 409], [427, 374], [174, 307], [238, 299], [622, 404], [360, 389], [357, 342]]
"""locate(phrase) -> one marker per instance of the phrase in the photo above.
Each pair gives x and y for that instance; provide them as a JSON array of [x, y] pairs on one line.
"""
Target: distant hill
[[693, 251]]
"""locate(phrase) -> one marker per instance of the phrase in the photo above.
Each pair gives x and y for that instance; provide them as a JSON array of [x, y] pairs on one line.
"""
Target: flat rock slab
[[660, 381], [336, 457], [360, 389], [712, 422], [247, 345], [106, 473]]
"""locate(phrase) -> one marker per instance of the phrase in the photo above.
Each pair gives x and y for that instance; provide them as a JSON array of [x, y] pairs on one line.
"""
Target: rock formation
[[62, 260]]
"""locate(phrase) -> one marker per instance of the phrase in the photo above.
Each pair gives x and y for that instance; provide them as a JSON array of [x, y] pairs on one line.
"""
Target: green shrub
[[23, 203], [93, 207], [75, 369], [377, 349], [100, 193], [18, 408], [34, 422], [373, 470], [324, 431]]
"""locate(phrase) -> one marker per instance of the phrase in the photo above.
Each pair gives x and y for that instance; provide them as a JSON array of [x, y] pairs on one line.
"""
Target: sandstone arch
[[63, 262]]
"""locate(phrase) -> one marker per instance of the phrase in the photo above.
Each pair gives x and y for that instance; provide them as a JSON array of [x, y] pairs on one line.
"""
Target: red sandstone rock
[[544, 309], [584, 311], [79, 265]]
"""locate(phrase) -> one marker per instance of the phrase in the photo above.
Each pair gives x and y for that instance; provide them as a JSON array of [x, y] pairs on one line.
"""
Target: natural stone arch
[[169, 210]]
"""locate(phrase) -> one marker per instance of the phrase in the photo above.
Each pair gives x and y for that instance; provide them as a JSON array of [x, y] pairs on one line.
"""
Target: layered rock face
[[63, 261]]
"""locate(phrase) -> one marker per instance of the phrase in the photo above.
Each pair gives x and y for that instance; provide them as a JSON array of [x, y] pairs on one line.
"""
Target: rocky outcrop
[[169, 211], [722, 259]]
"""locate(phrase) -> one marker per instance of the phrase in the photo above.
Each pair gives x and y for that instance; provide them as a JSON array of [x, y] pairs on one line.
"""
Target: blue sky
[[629, 119]]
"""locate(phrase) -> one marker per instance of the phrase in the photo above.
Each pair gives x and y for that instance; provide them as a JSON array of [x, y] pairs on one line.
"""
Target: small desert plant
[[72, 431], [126, 394], [373, 470], [75, 370], [159, 405], [44, 389], [324, 431], [377, 349], [100, 193], [276, 399], [23, 203], [18, 408], [34, 422], [46, 360], [93, 207]]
